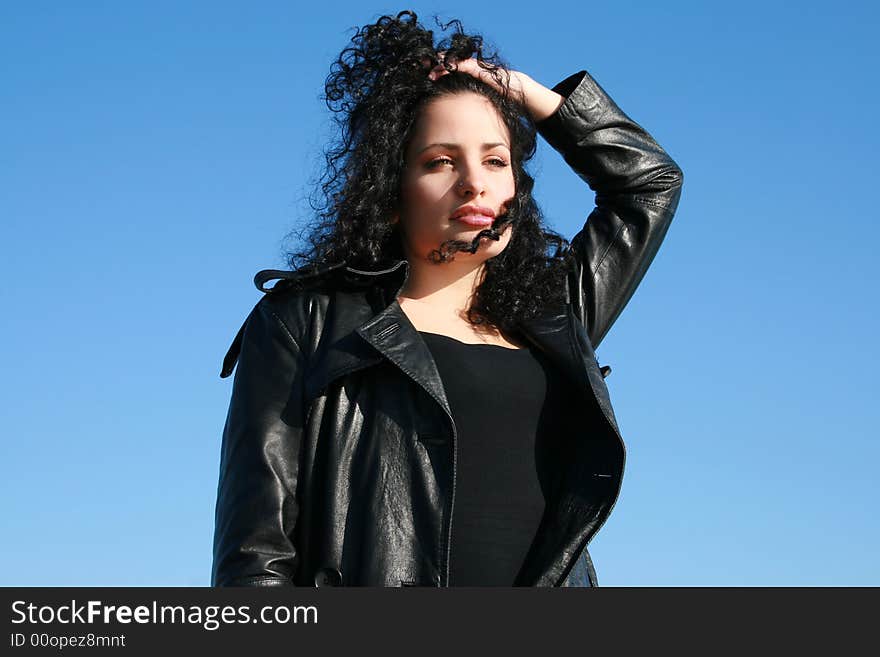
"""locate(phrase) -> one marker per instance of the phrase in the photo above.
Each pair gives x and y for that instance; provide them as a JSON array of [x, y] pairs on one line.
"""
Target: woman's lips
[[475, 219]]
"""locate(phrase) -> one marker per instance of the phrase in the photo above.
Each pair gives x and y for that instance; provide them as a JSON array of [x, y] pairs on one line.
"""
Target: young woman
[[417, 402]]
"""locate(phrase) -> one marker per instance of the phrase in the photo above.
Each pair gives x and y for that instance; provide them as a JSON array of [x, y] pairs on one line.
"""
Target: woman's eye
[[433, 164], [440, 161]]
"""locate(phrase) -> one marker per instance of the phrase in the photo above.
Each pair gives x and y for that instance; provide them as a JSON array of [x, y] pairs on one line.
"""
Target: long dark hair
[[376, 90]]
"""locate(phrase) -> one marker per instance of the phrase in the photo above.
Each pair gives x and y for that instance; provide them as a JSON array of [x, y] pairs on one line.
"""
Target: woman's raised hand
[[540, 101]]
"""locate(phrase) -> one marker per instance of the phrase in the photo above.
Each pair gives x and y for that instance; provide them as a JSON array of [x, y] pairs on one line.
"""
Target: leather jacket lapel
[[393, 335], [341, 350], [361, 330], [564, 340]]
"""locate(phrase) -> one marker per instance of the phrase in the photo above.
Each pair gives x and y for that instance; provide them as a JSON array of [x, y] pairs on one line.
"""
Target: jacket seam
[[608, 248], [644, 201], [284, 327]]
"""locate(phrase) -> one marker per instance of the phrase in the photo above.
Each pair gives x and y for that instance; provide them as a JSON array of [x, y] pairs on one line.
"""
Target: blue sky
[[153, 157]]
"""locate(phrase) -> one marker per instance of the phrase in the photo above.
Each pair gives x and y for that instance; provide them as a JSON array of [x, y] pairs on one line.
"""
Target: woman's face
[[458, 162]]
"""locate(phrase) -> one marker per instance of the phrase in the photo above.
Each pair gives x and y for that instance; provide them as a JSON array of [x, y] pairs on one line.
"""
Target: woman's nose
[[471, 182]]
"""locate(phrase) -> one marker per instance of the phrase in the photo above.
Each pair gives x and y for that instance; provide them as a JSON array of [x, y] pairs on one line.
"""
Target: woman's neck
[[445, 286]]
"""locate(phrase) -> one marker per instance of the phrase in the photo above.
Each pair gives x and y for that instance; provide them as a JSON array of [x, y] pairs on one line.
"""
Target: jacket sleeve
[[637, 189], [256, 504]]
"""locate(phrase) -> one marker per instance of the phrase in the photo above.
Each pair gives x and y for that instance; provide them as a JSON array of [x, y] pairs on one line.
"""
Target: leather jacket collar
[[385, 332]]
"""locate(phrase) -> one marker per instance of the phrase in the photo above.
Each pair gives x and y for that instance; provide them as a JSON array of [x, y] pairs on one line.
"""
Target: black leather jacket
[[338, 462]]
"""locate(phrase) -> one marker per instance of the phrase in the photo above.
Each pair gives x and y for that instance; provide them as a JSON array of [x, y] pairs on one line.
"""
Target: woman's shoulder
[[296, 303], [288, 290], [291, 299], [293, 296], [299, 298], [309, 278]]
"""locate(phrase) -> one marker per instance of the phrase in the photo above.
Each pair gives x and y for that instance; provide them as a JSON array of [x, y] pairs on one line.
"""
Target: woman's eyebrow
[[451, 146]]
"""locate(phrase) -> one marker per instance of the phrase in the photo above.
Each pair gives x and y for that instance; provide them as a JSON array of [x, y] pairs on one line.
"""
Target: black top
[[496, 396]]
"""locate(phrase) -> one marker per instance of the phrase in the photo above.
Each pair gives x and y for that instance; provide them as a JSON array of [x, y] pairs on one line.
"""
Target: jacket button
[[328, 577]]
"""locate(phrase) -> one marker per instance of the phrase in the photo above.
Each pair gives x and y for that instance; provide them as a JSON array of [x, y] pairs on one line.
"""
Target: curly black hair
[[376, 90]]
